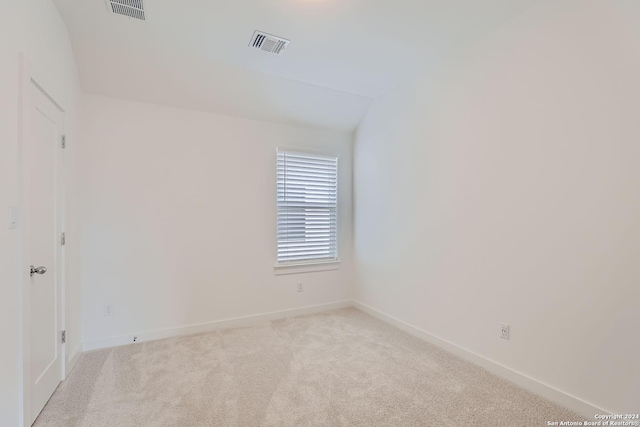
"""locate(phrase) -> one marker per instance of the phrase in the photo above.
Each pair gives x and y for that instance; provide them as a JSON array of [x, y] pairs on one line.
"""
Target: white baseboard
[[210, 326], [560, 397], [551, 393], [71, 361]]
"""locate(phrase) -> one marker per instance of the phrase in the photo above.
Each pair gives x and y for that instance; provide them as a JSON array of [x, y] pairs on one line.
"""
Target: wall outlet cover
[[107, 310], [504, 331]]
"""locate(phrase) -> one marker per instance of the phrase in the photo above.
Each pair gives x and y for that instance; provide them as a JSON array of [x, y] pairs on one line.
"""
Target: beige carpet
[[343, 368]]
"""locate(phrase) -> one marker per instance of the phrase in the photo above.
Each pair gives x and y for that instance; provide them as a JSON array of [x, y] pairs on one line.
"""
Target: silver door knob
[[39, 270]]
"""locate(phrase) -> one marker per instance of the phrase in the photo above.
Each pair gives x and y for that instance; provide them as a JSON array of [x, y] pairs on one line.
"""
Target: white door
[[43, 228]]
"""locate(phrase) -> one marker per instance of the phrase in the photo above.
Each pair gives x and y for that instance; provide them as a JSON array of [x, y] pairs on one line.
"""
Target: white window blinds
[[307, 194]]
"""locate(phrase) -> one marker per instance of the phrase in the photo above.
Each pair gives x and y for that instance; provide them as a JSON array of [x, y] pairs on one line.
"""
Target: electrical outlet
[[108, 310], [300, 288], [504, 331]]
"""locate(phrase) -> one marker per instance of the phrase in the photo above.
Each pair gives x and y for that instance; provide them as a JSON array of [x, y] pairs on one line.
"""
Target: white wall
[[34, 28], [179, 218], [503, 187]]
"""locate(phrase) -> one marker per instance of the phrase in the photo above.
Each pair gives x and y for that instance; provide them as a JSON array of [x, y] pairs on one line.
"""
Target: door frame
[[30, 80]]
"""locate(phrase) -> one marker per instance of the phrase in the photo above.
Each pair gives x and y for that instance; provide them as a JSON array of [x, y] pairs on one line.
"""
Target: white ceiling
[[343, 53]]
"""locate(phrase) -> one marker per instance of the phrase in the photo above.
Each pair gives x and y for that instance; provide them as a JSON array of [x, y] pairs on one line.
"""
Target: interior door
[[43, 248]]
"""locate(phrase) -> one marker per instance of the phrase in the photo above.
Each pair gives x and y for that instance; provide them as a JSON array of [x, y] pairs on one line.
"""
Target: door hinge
[[64, 141], [63, 239], [64, 337]]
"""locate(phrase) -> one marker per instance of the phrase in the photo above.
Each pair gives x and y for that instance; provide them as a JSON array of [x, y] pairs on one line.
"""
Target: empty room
[[320, 213]]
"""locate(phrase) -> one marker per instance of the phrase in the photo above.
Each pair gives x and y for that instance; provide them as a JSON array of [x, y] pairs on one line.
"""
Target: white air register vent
[[131, 8], [268, 42]]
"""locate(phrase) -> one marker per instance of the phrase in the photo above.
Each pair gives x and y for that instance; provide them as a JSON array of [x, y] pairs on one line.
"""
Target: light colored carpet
[[342, 368]]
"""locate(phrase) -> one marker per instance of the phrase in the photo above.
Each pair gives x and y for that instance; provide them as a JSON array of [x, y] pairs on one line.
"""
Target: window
[[307, 195]]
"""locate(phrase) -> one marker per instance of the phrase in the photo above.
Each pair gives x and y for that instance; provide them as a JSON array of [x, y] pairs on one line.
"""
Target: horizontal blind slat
[[307, 159]]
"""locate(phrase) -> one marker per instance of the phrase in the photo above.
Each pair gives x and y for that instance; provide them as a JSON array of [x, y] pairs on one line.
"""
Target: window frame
[[312, 265]]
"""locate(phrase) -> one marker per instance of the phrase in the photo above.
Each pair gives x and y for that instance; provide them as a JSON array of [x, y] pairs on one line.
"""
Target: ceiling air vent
[[268, 42], [130, 8]]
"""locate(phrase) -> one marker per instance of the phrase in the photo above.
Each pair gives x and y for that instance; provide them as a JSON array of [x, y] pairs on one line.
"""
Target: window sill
[[280, 269]]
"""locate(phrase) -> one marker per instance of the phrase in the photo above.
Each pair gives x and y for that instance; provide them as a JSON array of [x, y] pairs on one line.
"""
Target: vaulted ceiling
[[343, 53]]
